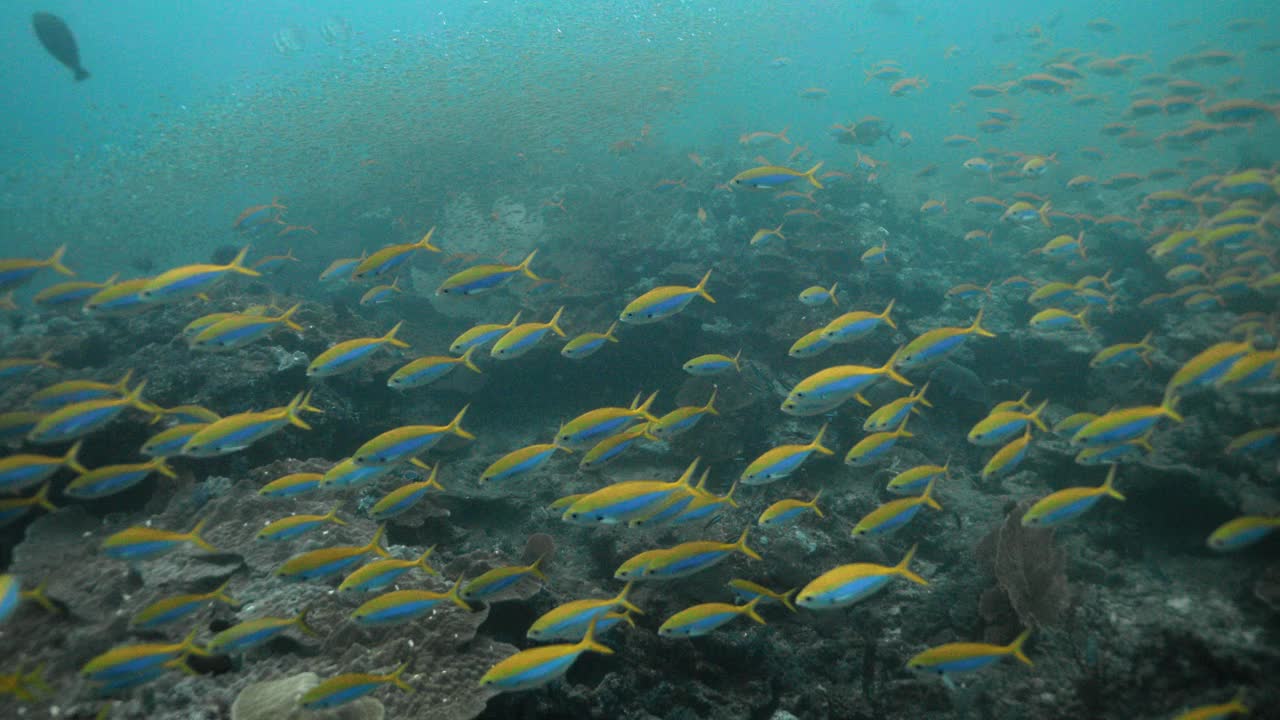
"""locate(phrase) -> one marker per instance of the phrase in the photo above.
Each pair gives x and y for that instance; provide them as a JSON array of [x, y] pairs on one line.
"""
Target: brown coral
[[1029, 569]]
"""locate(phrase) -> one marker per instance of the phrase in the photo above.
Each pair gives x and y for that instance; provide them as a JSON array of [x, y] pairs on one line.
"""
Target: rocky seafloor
[[1133, 616]]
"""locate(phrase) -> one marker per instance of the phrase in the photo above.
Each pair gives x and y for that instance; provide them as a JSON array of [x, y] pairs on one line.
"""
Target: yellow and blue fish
[[538, 666], [706, 618], [402, 606], [1070, 503], [348, 687], [391, 257], [405, 443], [848, 584], [237, 432], [190, 280], [483, 278], [145, 543], [524, 337], [895, 514], [663, 302], [351, 354]]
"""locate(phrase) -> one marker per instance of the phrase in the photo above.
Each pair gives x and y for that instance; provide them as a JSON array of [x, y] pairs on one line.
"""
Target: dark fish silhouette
[[56, 37]]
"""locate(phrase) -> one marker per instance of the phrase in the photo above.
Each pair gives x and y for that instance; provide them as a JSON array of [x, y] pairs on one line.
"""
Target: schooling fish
[[145, 543], [891, 414], [1122, 353], [848, 584], [1125, 424], [692, 557], [291, 485], [237, 432], [403, 443], [240, 330], [404, 497], [342, 268], [169, 443], [520, 462], [389, 258], [817, 295], [426, 370], [712, 364], [538, 666], [595, 425], [915, 480], [483, 278], [493, 582], [122, 298], [626, 501], [998, 427], [340, 690], [252, 633], [873, 447], [402, 606], [682, 419], [588, 344], [111, 479], [127, 660], [953, 658], [191, 280], [13, 509], [330, 561], [784, 511], [57, 39], [779, 462], [570, 620], [1007, 458], [746, 591], [827, 389], [704, 619], [350, 354], [524, 337], [610, 448], [771, 176], [934, 345], [171, 609], [68, 293], [74, 421], [385, 572], [19, 472], [291, 527], [481, 335], [895, 514], [1070, 503], [663, 302], [1243, 532], [65, 393]]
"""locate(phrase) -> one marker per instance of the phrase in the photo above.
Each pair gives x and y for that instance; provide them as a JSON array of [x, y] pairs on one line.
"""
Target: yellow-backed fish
[[524, 337], [191, 280], [403, 443], [391, 257], [340, 690], [848, 584], [772, 176], [1070, 503], [779, 462], [663, 302], [483, 278], [426, 370], [934, 345], [237, 432], [587, 344], [955, 658], [350, 354]]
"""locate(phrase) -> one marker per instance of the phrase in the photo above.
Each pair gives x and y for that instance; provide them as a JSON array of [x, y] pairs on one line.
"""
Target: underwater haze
[[884, 359]]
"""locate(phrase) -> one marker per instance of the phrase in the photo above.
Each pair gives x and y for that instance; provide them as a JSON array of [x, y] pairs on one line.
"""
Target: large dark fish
[[56, 37]]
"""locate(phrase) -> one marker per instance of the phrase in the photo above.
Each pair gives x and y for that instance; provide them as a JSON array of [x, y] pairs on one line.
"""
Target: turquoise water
[[614, 146]]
